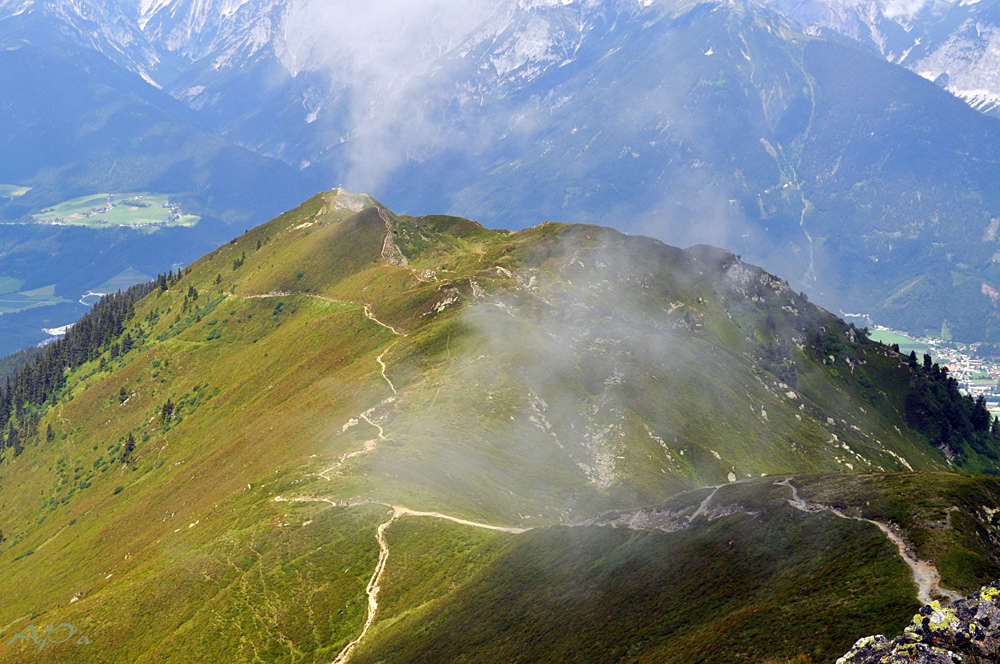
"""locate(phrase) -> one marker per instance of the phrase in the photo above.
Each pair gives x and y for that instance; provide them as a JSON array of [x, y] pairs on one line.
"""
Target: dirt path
[[368, 312], [400, 510], [303, 499], [278, 293], [368, 447], [796, 502], [925, 575], [374, 582], [382, 364], [704, 504], [372, 589]]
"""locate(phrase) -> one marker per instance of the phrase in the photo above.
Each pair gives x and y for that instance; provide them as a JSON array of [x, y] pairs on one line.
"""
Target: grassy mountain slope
[[752, 580], [300, 379]]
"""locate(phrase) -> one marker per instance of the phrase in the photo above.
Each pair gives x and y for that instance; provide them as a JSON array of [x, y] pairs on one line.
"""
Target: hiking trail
[[925, 575]]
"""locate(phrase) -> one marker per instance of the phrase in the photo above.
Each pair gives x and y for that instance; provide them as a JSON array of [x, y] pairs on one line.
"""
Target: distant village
[[975, 375], [173, 214]]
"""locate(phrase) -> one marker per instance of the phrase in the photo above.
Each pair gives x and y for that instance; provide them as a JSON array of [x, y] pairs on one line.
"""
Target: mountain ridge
[[219, 461]]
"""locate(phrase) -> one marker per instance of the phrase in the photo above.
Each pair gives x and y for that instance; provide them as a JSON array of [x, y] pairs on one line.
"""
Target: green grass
[[947, 517], [497, 415], [12, 302], [743, 588], [13, 191], [9, 285], [906, 344], [127, 209], [195, 597], [752, 586]]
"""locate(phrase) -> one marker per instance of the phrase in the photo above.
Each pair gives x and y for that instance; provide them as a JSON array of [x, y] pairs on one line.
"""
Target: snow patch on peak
[[532, 44], [10, 8], [149, 79], [148, 9], [981, 100], [231, 7]]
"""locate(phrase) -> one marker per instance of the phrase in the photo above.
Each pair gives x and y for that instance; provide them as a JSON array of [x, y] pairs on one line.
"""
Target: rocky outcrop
[[966, 631]]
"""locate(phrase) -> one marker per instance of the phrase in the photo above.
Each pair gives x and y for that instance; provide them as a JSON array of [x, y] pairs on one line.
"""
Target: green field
[[131, 209], [906, 344], [983, 382], [12, 191], [12, 301], [9, 285]]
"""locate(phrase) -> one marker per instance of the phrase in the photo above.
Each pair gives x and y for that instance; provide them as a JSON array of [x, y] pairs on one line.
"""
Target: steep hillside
[[119, 134], [74, 125], [951, 43], [200, 474], [748, 576]]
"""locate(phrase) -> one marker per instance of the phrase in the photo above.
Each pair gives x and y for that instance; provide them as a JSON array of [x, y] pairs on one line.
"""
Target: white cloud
[[908, 9], [393, 61]]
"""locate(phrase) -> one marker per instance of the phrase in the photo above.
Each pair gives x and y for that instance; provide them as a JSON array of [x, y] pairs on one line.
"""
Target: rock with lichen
[[966, 631]]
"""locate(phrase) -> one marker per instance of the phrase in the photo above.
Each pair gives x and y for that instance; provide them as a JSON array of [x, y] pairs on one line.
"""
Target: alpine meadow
[[514, 332]]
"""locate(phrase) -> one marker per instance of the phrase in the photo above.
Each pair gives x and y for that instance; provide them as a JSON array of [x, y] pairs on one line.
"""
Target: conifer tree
[[128, 447], [167, 411]]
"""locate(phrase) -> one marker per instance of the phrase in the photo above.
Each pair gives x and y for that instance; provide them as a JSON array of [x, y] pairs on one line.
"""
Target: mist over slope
[[198, 474]]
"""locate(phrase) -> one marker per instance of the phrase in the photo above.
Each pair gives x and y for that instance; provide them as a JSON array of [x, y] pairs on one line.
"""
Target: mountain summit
[[235, 449]]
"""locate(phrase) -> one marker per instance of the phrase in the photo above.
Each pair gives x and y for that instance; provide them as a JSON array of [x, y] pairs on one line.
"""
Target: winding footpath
[[371, 590], [381, 363], [400, 511], [374, 583], [371, 316], [280, 293], [925, 575], [368, 447], [383, 557]]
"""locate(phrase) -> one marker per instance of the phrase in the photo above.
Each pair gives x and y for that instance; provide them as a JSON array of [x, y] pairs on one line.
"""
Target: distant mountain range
[[954, 43], [730, 124]]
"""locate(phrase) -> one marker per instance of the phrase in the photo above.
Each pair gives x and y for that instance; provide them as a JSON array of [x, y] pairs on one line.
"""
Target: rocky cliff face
[[966, 631]]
